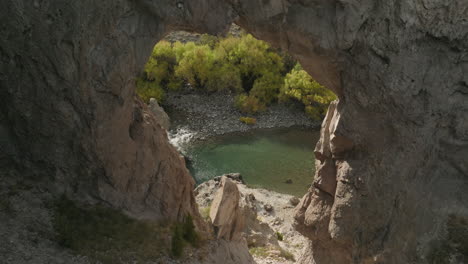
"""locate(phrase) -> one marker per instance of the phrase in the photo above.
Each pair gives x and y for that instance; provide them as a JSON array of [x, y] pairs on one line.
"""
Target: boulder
[[225, 213]]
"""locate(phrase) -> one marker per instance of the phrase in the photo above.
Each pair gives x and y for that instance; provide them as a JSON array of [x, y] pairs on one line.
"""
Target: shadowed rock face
[[396, 143], [68, 109]]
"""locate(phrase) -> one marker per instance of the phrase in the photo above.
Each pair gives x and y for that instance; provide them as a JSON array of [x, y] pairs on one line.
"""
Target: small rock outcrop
[[225, 213], [161, 116], [262, 229]]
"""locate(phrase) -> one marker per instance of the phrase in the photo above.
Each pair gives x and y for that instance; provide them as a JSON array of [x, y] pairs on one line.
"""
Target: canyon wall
[[68, 111], [393, 154]]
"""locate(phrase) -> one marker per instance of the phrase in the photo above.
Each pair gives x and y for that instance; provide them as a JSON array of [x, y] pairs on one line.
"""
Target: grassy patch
[[278, 254], [286, 255], [184, 233], [205, 212], [279, 236], [455, 245], [259, 252], [107, 235]]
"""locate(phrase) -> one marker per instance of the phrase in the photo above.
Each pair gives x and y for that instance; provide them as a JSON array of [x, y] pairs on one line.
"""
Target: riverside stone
[[225, 212]]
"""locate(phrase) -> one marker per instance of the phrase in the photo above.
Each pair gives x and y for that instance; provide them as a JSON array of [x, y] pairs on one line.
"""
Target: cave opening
[[235, 104], [237, 107]]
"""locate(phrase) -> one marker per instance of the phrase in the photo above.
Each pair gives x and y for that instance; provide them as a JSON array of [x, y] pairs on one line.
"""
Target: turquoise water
[[265, 158]]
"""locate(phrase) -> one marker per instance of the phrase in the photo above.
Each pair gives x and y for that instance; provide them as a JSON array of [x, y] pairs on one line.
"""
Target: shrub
[[266, 88], [146, 90], [177, 244], [279, 236], [248, 120], [161, 65], [299, 86], [196, 66], [189, 233], [245, 66], [252, 57], [249, 104], [224, 77], [183, 232], [209, 40]]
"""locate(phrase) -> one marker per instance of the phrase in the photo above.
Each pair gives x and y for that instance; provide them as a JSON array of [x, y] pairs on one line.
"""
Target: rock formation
[[225, 212], [396, 141], [161, 116], [261, 228]]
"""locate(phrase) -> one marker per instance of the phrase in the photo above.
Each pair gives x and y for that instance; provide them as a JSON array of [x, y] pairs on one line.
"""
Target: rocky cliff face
[[395, 145], [68, 110]]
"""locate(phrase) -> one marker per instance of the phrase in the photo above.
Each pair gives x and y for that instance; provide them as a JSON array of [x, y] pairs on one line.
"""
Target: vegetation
[[286, 255], [250, 68], [259, 252], [189, 233], [279, 236], [248, 120], [205, 212], [184, 233], [107, 235], [275, 253], [178, 244], [300, 87]]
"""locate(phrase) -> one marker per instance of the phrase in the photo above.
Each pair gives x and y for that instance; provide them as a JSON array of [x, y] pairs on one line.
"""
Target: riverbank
[[206, 115], [269, 231]]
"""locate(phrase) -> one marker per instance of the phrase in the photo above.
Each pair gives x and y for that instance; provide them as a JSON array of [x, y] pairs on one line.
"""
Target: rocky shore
[[261, 219], [206, 115]]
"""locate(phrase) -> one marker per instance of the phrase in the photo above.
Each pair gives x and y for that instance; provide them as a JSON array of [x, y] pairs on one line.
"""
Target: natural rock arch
[[395, 145]]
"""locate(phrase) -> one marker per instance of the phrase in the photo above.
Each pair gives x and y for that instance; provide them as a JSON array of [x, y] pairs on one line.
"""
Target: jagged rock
[[161, 116], [225, 213], [325, 176], [256, 233]]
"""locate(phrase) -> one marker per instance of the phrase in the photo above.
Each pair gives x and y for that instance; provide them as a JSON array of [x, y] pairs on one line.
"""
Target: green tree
[[246, 66], [299, 86]]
